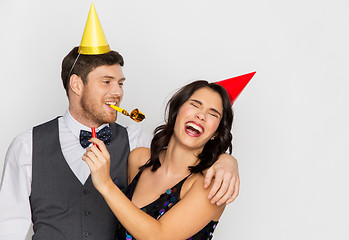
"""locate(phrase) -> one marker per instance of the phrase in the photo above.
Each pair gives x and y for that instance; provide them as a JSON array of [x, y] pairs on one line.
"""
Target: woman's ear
[[214, 135], [76, 84]]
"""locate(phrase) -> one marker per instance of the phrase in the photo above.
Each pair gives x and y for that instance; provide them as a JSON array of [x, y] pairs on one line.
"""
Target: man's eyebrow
[[212, 109], [111, 77], [107, 76]]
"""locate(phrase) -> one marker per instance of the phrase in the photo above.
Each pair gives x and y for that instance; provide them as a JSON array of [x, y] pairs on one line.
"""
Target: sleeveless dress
[[160, 206]]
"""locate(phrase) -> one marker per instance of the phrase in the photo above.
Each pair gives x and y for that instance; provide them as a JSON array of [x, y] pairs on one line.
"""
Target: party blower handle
[[94, 135], [136, 115]]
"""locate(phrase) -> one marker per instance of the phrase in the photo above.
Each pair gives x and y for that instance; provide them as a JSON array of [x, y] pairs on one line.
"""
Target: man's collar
[[75, 127]]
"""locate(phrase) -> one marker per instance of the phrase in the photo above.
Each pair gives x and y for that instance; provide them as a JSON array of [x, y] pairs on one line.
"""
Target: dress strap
[[179, 184], [132, 186]]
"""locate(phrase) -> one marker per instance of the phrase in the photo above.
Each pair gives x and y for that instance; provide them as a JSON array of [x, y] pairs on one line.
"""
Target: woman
[[196, 132]]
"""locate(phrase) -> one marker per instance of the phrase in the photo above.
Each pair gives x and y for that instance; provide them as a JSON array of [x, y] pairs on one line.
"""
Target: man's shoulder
[[48, 123], [21, 144], [26, 136], [138, 137], [137, 130], [134, 129], [23, 137]]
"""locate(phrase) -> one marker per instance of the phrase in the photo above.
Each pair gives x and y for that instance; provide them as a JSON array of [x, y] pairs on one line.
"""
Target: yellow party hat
[[93, 40]]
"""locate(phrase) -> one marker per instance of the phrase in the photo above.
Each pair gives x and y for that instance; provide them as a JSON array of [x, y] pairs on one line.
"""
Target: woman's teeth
[[193, 127]]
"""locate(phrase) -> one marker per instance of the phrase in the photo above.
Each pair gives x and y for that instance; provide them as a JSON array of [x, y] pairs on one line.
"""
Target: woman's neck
[[177, 158]]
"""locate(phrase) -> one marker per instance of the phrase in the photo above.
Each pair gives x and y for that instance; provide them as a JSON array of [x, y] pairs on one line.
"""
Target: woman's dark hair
[[85, 64], [213, 148]]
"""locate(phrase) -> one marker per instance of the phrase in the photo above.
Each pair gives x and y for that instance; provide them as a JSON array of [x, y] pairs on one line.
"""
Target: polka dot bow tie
[[104, 134]]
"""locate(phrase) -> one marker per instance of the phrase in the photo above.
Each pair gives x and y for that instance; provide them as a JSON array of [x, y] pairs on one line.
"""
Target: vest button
[[86, 234], [84, 191], [86, 213]]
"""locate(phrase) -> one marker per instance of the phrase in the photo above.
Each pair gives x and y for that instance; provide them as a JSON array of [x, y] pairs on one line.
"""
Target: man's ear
[[76, 84]]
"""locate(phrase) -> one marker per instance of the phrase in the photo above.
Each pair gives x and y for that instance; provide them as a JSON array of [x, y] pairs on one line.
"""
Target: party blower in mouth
[[136, 115]]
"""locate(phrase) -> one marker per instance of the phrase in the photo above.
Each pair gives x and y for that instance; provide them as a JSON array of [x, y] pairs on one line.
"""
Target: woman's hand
[[98, 160]]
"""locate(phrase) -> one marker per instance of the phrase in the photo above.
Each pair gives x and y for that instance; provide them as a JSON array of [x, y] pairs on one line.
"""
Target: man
[[45, 180]]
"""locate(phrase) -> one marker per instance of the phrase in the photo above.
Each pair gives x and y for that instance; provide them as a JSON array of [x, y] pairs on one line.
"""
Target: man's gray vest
[[63, 208]]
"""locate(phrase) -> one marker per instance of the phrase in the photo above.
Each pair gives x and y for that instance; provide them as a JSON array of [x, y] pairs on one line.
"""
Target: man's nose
[[117, 90]]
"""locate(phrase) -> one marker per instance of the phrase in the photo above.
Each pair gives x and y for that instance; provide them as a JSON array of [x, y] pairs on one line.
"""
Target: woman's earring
[[212, 138]]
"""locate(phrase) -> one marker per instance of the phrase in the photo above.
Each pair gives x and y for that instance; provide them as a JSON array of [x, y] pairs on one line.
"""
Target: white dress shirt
[[15, 189]]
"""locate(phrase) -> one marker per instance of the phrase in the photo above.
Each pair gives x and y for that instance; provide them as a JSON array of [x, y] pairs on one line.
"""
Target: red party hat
[[235, 85]]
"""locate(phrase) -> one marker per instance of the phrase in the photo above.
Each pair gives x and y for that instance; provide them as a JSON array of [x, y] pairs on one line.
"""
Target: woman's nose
[[201, 116]]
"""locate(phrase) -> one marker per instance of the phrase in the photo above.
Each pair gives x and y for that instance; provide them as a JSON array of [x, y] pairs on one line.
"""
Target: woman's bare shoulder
[[193, 190], [137, 158], [193, 180]]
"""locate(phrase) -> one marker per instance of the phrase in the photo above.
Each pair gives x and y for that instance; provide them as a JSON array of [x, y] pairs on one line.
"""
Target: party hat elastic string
[[71, 70]]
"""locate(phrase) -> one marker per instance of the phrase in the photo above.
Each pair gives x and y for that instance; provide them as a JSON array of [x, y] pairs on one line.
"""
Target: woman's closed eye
[[214, 114], [194, 104]]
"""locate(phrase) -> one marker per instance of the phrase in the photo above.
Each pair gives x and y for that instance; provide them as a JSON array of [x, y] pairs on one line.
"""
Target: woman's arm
[[182, 221]]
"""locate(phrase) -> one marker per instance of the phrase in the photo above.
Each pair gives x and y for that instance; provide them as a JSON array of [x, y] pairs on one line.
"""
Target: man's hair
[[85, 64], [213, 148]]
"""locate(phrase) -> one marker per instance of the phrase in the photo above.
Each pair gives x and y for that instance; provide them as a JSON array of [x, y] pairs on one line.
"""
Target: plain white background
[[291, 122]]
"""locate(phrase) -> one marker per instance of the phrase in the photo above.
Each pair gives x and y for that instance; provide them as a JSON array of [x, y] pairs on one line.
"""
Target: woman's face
[[198, 118]]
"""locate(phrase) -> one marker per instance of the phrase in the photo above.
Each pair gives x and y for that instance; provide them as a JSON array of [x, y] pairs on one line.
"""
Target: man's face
[[103, 87]]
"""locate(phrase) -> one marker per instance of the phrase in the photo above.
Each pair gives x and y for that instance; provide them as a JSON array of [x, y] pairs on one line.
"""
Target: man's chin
[[110, 119]]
